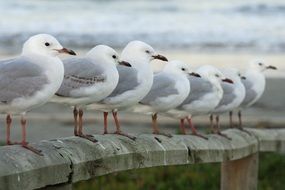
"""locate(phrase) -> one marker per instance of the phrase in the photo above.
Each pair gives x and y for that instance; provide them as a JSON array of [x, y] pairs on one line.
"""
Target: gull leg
[[240, 123], [75, 115], [24, 143], [105, 122], [182, 127], [80, 133], [118, 127], [218, 132], [231, 119], [80, 122], [212, 127], [8, 127], [193, 129], [239, 119], [155, 127]]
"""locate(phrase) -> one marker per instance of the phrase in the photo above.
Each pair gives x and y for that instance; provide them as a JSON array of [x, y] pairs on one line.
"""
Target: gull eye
[[147, 51], [217, 75], [183, 69], [260, 64], [47, 44], [114, 56]]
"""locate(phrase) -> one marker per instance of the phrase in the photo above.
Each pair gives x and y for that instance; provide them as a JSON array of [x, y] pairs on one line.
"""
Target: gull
[[134, 82], [170, 88], [233, 95], [206, 93], [254, 84], [88, 79], [30, 80]]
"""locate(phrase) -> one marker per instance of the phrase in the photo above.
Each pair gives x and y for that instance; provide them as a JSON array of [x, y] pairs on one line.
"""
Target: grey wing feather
[[163, 86], [250, 94], [228, 94], [128, 80], [78, 73], [199, 87], [20, 78]]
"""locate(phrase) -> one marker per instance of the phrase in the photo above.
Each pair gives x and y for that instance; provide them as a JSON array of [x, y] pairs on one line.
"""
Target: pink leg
[[75, 115], [8, 127], [24, 137], [240, 123], [118, 127], [231, 119], [80, 133], [80, 122], [24, 134], [155, 127], [182, 127], [218, 131], [105, 122], [193, 129], [212, 127], [117, 123], [239, 119]]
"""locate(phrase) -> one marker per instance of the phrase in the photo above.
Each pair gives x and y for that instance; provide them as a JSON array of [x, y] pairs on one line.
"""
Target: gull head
[[179, 67], [260, 66], [240, 75], [46, 45], [233, 73], [106, 54], [138, 51], [213, 74]]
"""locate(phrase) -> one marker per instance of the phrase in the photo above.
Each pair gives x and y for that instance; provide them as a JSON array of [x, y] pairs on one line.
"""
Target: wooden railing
[[72, 159]]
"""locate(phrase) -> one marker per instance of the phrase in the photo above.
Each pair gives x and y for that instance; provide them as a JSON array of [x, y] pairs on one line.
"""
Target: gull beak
[[228, 80], [243, 77], [124, 63], [67, 51], [195, 74], [271, 67], [160, 57]]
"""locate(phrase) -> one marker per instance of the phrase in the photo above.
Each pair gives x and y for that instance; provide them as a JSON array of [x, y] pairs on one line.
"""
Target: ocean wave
[[12, 43], [207, 25], [261, 8]]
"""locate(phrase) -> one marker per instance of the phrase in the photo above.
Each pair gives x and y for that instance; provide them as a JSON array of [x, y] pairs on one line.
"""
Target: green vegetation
[[198, 177], [271, 171]]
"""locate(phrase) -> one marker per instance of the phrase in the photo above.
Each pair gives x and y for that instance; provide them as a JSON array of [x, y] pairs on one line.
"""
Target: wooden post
[[240, 174]]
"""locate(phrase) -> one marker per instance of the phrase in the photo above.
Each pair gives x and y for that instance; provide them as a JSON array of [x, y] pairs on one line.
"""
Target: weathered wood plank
[[72, 159], [270, 140], [21, 169], [240, 174]]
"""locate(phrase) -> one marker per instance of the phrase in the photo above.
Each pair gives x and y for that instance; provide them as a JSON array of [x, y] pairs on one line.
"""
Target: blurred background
[[224, 33]]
